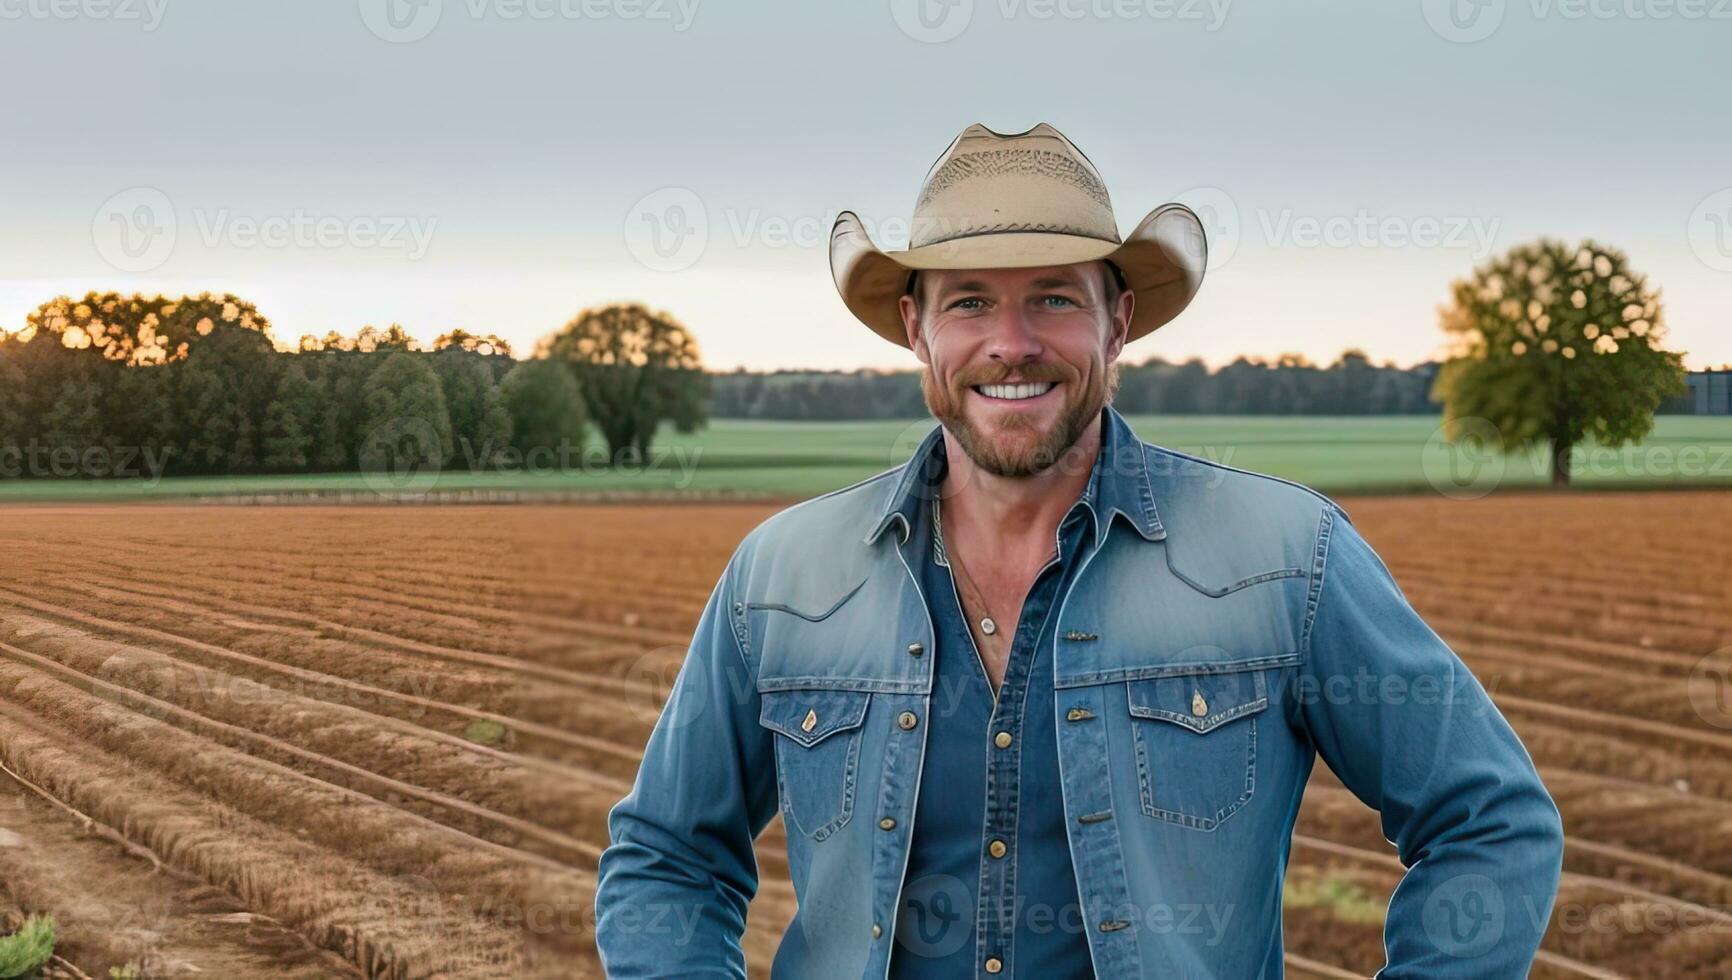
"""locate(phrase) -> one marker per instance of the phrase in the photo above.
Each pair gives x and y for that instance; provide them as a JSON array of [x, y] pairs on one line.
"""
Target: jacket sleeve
[[674, 883], [1409, 729]]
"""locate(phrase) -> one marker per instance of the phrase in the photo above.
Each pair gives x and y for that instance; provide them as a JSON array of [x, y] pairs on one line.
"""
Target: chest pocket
[[1196, 743], [818, 735]]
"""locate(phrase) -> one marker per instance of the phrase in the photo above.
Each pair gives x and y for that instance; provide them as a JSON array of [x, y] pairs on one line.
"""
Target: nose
[[1012, 338]]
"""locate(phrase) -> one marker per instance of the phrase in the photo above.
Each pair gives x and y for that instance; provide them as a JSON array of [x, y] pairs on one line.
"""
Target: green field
[[801, 459]]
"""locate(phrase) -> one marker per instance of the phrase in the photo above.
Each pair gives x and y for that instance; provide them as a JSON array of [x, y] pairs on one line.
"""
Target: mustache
[[991, 374]]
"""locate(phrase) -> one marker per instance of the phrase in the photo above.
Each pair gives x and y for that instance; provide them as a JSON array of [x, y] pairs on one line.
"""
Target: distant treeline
[[235, 405], [1289, 385], [129, 386]]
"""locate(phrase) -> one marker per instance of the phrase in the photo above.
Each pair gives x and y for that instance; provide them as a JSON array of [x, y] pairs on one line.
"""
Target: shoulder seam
[[828, 493], [1328, 503]]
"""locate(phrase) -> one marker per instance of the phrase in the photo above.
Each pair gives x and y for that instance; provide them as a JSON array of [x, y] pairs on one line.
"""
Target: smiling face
[[1018, 361]]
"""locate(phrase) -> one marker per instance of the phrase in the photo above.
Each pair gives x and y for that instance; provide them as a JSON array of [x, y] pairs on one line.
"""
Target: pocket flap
[[1200, 702], [808, 716]]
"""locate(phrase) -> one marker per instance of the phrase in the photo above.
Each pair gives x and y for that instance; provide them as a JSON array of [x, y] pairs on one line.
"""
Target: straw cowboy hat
[[996, 200]]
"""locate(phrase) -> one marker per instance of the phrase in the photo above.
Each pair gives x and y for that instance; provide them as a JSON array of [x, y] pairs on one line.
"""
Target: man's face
[[1018, 361]]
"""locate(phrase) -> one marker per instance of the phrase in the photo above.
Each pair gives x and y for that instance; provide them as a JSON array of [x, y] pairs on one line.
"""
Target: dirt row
[[328, 717]]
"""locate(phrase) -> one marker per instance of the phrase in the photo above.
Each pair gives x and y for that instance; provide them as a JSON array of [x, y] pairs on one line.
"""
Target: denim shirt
[[1221, 631], [989, 874]]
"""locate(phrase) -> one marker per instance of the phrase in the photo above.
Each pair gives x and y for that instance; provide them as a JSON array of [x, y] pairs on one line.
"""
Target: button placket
[[998, 873]]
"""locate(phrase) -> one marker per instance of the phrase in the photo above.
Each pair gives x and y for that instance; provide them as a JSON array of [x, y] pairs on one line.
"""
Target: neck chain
[[988, 625]]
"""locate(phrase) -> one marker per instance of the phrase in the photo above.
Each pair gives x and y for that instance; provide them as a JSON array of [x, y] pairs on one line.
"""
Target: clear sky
[[498, 165]]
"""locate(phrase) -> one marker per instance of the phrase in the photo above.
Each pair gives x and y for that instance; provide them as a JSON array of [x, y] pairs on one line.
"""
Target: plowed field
[[318, 741]]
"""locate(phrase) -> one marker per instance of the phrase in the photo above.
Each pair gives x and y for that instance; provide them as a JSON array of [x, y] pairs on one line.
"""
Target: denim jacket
[[1223, 629]]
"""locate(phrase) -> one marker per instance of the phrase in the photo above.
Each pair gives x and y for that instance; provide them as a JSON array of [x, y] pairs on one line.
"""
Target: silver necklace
[[988, 625]]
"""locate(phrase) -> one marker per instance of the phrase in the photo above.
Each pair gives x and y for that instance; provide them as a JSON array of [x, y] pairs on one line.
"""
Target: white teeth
[[1031, 390]]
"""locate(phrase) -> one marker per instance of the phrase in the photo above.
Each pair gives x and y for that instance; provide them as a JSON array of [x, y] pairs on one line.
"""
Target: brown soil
[[385, 740]]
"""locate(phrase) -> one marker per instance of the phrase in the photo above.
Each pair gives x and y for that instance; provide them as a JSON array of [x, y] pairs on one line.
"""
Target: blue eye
[[1062, 299]]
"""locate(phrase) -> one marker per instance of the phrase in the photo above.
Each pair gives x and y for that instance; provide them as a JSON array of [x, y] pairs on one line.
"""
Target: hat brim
[[1162, 261]]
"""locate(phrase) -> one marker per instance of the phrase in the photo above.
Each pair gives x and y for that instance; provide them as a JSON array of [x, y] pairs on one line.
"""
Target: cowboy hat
[[996, 200]]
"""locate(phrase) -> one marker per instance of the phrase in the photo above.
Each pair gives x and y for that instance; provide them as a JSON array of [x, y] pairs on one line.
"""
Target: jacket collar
[[1119, 483]]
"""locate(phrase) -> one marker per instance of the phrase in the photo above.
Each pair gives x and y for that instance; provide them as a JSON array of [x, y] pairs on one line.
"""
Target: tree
[[73, 424], [1558, 344], [139, 330], [480, 424], [545, 405], [142, 411], [493, 429], [635, 369], [406, 427], [484, 344], [225, 385], [290, 420], [12, 390], [392, 338]]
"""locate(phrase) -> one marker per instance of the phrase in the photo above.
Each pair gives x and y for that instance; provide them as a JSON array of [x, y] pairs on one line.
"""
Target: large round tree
[[636, 369], [1557, 344]]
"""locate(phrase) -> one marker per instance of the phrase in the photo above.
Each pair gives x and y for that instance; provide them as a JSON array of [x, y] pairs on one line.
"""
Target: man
[[1042, 701]]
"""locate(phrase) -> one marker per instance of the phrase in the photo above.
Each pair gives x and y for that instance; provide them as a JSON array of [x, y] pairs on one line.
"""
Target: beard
[[1019, 457]]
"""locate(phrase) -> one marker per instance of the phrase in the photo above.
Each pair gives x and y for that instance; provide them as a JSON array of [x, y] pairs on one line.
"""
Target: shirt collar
[[1119, 483]]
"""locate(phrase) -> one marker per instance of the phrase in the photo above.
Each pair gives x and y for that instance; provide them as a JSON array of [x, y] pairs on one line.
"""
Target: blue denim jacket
[[1222, 630]]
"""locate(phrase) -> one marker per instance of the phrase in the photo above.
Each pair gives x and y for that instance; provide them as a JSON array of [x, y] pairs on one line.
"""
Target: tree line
[[114, 385], [1550, 343], [1286, 385]]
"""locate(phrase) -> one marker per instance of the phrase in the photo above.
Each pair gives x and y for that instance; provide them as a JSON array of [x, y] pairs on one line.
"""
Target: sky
[[500, 165]]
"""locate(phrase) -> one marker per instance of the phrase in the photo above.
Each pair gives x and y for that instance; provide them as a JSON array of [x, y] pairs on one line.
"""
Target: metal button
[[1078, 714], [915, 649], [1002, 740], [888, 823], [993, 965], [907, 720], [996, 848], [1199, 707], [877, 930], [810, 721]]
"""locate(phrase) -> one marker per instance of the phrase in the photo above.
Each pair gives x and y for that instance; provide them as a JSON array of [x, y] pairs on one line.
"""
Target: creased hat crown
[[1035, 181]]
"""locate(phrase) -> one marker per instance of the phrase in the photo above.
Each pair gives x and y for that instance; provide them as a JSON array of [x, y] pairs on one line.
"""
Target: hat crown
[[987, 182]]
